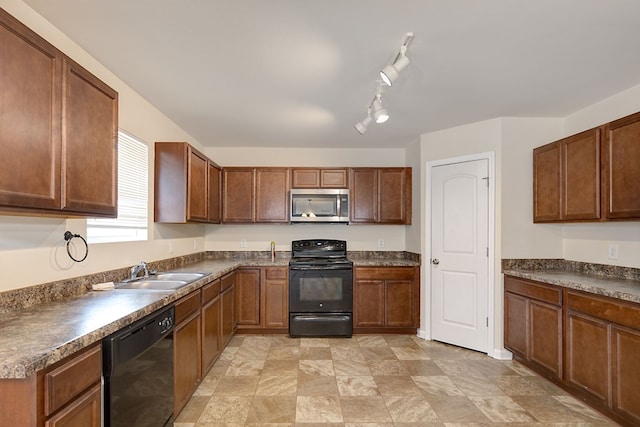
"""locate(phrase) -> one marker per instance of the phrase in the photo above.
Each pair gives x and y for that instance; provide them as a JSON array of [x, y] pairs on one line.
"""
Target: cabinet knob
[[435, 261]]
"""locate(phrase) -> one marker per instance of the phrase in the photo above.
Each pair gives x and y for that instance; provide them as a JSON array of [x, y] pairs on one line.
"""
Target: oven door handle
[[317, 268]]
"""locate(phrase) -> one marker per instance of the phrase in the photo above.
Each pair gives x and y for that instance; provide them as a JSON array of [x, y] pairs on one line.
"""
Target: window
[[133, 181]]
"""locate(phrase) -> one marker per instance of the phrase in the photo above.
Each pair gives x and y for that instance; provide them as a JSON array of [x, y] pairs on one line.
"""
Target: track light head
[[362, 126], [390, 73], [379, 112]]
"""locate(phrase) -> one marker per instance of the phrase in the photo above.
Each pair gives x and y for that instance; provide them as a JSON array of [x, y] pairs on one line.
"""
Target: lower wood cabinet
[[533, 324], [228, 316], [211, 315], [262, 299], [68, 393], [386, 299], [592, 350], [603, 345]]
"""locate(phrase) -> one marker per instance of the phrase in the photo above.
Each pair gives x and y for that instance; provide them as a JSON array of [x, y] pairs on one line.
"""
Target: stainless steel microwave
[[319, 205]]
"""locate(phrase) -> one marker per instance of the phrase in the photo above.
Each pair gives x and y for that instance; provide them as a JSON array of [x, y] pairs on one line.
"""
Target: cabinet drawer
[[385, 273], [64, 383], [210, 291], [187, 306], [535, 290], [616, 311], [227, 281], [272, 273]]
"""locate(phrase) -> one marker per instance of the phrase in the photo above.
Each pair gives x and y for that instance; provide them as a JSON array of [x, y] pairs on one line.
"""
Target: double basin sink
[[169, 281]]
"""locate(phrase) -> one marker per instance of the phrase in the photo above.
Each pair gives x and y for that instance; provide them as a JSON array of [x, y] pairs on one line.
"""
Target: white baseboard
[[501, 354]]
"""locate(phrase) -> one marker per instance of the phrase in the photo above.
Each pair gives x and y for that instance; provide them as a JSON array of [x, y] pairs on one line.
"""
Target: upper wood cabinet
[[187, 185], [380, 195], [590, 176], [62, 122], [566, 179], [255, 195], [621, 168], [319, 178]]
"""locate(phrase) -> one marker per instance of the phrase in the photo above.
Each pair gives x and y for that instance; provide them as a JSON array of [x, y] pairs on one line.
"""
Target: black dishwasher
[[138, 372]]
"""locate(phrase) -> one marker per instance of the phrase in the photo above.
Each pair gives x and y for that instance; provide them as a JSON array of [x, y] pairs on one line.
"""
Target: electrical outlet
[[243, 243], [195, 244], [170, 248], [613, 251], [381, 243]]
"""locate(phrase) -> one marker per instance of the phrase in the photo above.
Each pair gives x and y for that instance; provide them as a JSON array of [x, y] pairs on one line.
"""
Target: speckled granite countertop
[[37, 336], [621, 283]]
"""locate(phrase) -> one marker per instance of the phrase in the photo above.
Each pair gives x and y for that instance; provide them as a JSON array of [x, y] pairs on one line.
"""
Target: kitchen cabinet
[[621, 168], [211, 325], [214, 213], [255, 195], [228, 307], [533, 324], [63, 121], [567, 179], [262, 299], [186, 185], [66, 394], [380, 195], [603, 343], [187, 349], [386, 299], [319, 178]]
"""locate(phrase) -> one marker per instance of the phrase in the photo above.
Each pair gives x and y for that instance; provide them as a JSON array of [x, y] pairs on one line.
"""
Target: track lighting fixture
[[390, 72]]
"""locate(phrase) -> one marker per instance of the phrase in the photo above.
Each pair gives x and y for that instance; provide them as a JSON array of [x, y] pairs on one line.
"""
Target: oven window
[[321, 289]]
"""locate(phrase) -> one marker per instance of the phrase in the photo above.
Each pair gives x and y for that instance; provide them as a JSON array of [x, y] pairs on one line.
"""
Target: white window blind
[[133, 181]]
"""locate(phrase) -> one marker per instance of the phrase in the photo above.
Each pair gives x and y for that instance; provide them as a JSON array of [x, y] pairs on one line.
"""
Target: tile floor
[[374, 380]]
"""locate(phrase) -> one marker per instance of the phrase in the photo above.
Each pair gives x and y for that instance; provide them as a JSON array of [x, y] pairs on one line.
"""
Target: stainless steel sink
[[168, 281], [188, 277], [155, 285]]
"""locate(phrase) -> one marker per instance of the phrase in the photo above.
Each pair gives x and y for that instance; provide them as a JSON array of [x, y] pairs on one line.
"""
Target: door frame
[[491, 276]]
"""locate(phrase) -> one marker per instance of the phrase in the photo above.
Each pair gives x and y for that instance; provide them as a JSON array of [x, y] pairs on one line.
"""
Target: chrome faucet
[[136, 269]]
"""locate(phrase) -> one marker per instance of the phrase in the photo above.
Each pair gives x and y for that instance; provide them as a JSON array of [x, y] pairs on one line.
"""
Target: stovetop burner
[[315, 253]]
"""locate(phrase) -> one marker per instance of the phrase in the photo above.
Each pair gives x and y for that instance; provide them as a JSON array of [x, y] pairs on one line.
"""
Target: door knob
[[435, 261]]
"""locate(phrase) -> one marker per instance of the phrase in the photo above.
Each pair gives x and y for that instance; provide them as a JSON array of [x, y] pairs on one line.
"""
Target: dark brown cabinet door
[[515, 324], [368, 303], [626, 373], [89, 143], [215, 194], [581, 176], [238, 195], [547, 176], [276, 298], [622, 168], [211, 332], [364, 195], [272, 190], [85, 411], [395, 191], [398, 303], [545, 337], [248, 297], [197, 187], [187, 362], [30, 84], [228, 306], [588, 357]]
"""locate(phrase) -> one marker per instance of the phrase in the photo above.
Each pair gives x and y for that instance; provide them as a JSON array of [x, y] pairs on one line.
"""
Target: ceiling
[[301, 73]]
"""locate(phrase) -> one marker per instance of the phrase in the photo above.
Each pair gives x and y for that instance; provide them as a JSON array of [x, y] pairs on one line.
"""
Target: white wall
[[32, 248]]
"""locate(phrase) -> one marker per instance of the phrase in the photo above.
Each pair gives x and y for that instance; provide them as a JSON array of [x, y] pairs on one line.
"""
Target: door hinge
[[487, 321], [486, 178], [487, 252]]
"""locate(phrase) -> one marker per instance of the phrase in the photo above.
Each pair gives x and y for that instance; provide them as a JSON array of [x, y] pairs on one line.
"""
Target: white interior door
[[459, 253]]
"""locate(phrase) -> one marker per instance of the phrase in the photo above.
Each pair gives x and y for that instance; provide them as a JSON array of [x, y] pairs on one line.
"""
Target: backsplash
[[603, 270]]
